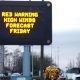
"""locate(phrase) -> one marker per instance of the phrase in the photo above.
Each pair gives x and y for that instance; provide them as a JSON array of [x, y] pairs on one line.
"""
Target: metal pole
[[41, 67], [32, 62], [51, 55], [3, 57], [26, 62]]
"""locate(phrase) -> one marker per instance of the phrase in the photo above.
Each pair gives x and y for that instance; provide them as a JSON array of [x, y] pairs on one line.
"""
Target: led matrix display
[[25, 22]]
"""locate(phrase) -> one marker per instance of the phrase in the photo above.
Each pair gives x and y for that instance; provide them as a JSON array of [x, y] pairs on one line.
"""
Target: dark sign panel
[[25, 22]]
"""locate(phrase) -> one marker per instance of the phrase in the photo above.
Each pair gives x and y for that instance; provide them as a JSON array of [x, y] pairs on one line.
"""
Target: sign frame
[[43, 34]]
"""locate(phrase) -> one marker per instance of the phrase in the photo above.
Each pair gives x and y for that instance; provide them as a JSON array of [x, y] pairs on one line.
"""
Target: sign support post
[[42, 61], [26, 62]]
